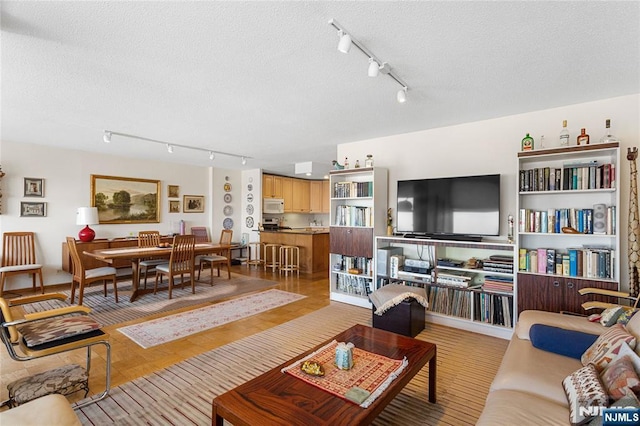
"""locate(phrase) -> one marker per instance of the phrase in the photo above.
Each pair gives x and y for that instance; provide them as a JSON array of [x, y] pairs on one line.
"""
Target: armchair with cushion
[[48, 333]]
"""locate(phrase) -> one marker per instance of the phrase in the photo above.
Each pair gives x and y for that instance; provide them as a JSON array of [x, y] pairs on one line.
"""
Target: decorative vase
[[389, 230]]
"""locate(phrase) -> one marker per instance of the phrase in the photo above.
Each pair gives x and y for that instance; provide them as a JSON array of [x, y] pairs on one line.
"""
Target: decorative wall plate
[[249, 198], [227, 198], [227, 223], [250, 179], [249, 208], [250, 187], [249, 221], [228, 210], [227, 187]]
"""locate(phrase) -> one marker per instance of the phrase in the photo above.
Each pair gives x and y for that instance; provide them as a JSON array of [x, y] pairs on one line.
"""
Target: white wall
[[67, 187], [491, 146]]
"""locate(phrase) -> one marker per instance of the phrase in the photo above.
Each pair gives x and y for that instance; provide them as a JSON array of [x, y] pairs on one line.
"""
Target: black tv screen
[[468, 205]]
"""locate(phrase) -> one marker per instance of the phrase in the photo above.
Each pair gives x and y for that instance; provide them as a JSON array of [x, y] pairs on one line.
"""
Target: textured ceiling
[[264, 79]]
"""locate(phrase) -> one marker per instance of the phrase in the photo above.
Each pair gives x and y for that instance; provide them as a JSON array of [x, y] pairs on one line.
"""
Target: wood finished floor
[[129, 361]]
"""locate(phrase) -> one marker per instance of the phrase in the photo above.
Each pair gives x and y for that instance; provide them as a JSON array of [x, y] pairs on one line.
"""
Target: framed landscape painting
[[125, 200]]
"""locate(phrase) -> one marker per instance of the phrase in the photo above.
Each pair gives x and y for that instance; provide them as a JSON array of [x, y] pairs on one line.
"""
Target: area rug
[[182, 394], [106, 311], [173, 327]]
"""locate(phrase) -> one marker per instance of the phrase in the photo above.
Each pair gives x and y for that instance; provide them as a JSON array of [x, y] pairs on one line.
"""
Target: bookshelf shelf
[[577, 183]]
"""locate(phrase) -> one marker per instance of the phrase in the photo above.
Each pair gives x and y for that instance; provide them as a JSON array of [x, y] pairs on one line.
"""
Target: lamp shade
[[87, 216]]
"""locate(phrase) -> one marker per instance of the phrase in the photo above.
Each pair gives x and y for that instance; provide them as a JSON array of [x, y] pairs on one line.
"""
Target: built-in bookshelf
[[356, 195], [469, 285], [567, 231]]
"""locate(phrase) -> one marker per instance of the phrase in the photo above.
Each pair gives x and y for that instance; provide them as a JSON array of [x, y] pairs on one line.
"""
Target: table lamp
[[87, 216]]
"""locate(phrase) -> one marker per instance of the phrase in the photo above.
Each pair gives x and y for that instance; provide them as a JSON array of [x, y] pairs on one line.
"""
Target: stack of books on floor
[[498, 284]]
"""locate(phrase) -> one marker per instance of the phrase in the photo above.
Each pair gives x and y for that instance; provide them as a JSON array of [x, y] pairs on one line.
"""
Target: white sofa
[[527, 389], [50, 410]]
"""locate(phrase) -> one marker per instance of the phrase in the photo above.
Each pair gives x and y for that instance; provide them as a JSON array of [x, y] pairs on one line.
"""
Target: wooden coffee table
[[279, 398]]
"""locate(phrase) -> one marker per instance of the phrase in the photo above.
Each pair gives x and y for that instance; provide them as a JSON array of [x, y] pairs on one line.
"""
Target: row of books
[[577, 262], [498, 283], [493, 309], [576, 176], [363, 264], [553, 220], [354, 216], [449, 301], [498, 263], [352, 189], [353, 284]]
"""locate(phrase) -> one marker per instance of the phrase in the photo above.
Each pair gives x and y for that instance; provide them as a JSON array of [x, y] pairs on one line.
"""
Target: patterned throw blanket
[[388, 296]]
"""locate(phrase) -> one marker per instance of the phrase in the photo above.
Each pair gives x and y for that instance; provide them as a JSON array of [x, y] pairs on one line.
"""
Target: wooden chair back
[[201, 234], [148, 238], [18, 248], [225, 236], [76, 260], [182, 254]]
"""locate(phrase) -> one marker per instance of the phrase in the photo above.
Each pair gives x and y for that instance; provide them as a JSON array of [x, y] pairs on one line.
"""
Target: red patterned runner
[[371, 372]]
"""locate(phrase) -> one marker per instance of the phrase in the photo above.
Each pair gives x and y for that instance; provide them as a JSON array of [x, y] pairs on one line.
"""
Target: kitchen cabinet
[[287, 194], [315, 196], [272, 186], [313, 245], [300, 196]]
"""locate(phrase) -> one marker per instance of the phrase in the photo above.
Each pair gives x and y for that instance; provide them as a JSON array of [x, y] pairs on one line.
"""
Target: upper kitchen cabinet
[[287, 194], [272, 186], [315, 194], [300, 196]]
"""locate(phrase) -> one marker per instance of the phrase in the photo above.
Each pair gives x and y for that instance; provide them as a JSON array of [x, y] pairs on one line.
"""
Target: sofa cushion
[[583, 389], [569, 322], [620, 377], [560, 341], [510, 407], [633, 327], [534, 371], [626, 316], [629, 400], [52, 409], [37, 333], [610, 315], [607, 346]]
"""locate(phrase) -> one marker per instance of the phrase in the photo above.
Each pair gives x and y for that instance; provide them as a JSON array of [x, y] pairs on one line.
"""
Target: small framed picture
[[193, 203], [33, 209], [33, 187], [174, 206], [173, 191]]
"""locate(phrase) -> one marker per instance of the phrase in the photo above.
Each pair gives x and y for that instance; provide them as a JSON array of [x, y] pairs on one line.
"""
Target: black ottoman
[[406, 318]]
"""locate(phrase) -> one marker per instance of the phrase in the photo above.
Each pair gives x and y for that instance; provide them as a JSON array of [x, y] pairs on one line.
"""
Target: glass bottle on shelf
[[527, 143], [369, 161], [346, 163], [564, 134], [583, 137], [357, 165], [608, 135], [542, 142]]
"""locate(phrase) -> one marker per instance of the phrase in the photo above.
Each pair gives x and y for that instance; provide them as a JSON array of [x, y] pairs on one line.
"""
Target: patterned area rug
[[182, 394], [106, 311], [172, 327]]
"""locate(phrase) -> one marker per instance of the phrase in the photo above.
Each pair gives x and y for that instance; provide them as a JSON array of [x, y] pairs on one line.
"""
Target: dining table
[[135, 254]]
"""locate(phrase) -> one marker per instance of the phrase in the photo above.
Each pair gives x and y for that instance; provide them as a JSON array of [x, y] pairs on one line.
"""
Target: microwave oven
[[273, 205]]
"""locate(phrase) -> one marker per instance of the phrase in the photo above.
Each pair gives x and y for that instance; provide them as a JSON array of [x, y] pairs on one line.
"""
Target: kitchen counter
[[312, 242]]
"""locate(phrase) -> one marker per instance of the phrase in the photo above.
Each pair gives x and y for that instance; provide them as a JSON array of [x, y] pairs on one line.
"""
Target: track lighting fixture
[[402, 95], [344, 45], [376, 66], [170, 146]]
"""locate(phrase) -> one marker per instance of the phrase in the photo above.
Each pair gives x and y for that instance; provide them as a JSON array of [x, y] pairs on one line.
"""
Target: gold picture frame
[[173, 191], [125, 200], [174, 206], [193, 204]]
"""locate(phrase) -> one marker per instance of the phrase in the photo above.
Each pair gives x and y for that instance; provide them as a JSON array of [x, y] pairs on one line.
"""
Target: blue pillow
[[560, 341]]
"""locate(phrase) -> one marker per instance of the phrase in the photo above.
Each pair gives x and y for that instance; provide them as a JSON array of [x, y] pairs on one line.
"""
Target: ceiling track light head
[[212, 155], [170, 148], [107, 136], [344, 45], [374, 68], [401, 96], [244, 160]]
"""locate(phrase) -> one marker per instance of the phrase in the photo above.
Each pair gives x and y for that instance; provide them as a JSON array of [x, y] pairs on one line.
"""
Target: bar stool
[[289, 260], [255, 254], [271, 256]]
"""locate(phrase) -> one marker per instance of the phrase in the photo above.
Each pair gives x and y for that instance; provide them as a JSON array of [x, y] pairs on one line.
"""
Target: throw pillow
[[583, 389], [610, 315], [569, 343], [607, 346], [619, 377], [629, 400], [37, 333], [626, 316], [625, 350]]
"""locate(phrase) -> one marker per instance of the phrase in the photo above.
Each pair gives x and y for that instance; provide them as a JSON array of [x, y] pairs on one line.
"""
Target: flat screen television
[[449, 207]]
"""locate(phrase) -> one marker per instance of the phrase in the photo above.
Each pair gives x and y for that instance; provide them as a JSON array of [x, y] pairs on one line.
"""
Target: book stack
[[352, 189], [453, 278], [449, 301], [494, 309], [552, 221], [498, 284], [588, 262], [572, 176], [353, 216], [498, 263]]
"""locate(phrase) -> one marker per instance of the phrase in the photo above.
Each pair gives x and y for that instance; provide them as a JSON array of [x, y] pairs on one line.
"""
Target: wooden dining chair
[[201, 234], [148, 239], [19, 257], [180, 263], [84, 276], [217, 259]]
